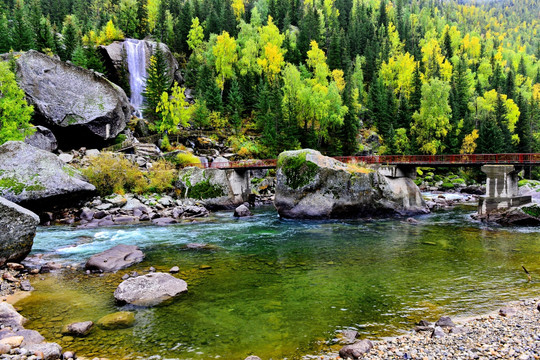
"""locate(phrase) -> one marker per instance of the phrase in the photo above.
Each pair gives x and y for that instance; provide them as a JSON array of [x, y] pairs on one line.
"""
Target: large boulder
[[116, 258], [38, 179], [43, 139], [150, 289], [220, 189], [79, 105], [115, 57], [313, 186], [9, 317], [525, 215], [17, 231]]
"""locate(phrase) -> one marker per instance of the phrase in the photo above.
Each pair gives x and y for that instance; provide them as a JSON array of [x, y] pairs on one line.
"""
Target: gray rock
[[356, 350], [118, 320], [347, 337], [445, 321], [116, 258], [150, 289], [125, 220], [92, 152], [164, 221], [507, 311], [71, 98], [38, 179], [219, 162], [220, 189], [252, 357], [66, 158], [78, 329], [31, 337], [242, 211], [313, 186], [193, 211], [17, 231], [174, 270], [25, 285], [43, 139], [51, 351], [519, 216], [68, 355], [133, 204], [9, 317], [438, 332]]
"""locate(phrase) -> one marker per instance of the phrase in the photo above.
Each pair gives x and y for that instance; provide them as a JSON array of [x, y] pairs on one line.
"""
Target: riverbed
[[280, 288]]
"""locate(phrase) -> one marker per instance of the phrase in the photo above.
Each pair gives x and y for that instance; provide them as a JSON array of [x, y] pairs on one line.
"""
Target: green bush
[[447, 185], [113, 173], [187, 159], [161, 177]]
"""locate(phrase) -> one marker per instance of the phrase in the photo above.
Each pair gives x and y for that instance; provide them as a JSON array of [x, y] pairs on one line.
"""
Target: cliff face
[[313, 186]]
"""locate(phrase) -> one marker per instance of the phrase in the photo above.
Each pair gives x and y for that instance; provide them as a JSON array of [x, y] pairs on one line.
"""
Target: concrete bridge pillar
[[502, 190], [395, 171]]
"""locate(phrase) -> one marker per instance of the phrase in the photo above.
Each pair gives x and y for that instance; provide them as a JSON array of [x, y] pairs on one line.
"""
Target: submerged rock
[[313, 186], [220, 189], [116, 258], [80, 104], [150, 289], [37, 179], [17, 231], [117, 320], [526, 215]]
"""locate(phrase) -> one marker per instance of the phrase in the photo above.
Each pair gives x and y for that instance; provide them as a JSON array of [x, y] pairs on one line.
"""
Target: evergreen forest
[[410, 76]]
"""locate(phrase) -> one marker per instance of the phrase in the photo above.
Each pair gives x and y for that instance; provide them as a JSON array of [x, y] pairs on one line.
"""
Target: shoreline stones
[[242, 211], [78, 329], [116, 258], [150, 289]]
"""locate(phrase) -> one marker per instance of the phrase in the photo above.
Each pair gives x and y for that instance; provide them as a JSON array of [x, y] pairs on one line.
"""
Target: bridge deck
[[402, 160]]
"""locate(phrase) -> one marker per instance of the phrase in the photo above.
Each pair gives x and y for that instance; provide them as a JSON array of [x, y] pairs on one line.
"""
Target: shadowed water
[[280, 288]]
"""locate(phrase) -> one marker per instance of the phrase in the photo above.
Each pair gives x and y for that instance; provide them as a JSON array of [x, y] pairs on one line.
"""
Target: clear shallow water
[[279, 288]]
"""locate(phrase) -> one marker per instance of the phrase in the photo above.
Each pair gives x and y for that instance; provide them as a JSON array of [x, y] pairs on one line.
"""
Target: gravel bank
[[511, 333]]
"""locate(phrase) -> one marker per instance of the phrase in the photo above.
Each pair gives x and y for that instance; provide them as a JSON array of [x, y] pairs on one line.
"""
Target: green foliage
[[15, 113], [160, 177], [298, 171], [186, 159], [16, 187], [157, 83], [533, 210], [173, 111]]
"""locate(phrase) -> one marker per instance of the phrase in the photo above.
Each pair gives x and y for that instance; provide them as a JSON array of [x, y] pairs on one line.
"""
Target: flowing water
[[280, 288], [136, 59]]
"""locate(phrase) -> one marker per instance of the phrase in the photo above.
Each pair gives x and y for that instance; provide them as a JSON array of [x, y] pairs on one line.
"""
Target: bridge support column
[[394, 171], [501, 189]]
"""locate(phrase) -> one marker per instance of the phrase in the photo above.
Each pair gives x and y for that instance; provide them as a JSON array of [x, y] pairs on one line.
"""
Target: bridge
[[501, 170], [532, 159]]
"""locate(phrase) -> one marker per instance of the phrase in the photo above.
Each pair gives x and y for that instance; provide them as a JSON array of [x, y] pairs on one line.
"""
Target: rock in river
[[78, 329], [37, 179], [17, 231], [9, 317], [78, 105], [150, 289], [313, 186], [117, 320], [116, 258], [50, 351], [356, 350]]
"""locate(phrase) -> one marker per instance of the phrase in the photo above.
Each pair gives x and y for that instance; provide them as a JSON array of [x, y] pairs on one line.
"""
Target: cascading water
[[136, 58]]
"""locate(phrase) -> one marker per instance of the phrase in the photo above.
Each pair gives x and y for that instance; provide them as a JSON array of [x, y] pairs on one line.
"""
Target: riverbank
[[510, 333]]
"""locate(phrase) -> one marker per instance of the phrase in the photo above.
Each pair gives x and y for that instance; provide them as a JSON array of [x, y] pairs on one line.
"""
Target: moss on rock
[[298, 170]]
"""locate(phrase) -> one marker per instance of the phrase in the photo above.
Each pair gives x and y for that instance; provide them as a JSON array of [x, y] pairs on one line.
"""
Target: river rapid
[[280, 288]]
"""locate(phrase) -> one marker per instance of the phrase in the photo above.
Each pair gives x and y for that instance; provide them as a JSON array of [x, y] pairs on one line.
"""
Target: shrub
[[161, 177], [185, 159], [114, 173], [447, 185]]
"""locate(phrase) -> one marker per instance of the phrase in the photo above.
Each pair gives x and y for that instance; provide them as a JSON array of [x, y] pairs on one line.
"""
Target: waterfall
[[136, 59]]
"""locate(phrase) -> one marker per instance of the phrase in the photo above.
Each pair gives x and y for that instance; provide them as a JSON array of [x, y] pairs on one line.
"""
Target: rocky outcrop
[[17, 231], [37, 179], [150, 289], [43, 139], [115, 59], [9, 317], [219, 189], [526, 215], [79, 105], [116, 258], [313, 186]]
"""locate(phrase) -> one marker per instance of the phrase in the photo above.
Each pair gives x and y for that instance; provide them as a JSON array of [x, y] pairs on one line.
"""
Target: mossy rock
[[437, 177], [457, 181], [418, 181], [533, 210], [447, 185], [297, 170], [117, 320]]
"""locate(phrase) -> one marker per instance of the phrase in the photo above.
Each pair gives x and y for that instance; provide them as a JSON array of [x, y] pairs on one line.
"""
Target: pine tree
[[522, 68], [71, 37], [510, 84], [5, 36], [382, 21], [502, 122], [416, 96], [160, 28], [523, 127], [142, 16], [157, 82], [496, 81], [447, 45], [490, 137], [235, 105], [334, 59], [45, 36], [309, 30], [21, 32], [349, 130]]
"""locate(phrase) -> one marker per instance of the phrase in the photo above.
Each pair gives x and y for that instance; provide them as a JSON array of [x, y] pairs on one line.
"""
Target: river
[[279, 288]]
